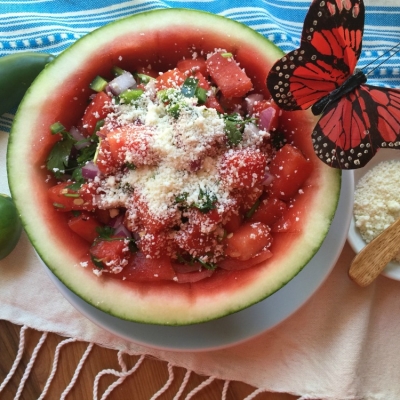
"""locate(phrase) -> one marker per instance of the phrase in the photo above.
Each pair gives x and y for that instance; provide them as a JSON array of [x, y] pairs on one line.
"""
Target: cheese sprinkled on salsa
[[176, 158], [170, 176]]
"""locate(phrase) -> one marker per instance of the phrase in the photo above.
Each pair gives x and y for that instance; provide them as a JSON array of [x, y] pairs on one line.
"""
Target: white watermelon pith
[[60, 94]]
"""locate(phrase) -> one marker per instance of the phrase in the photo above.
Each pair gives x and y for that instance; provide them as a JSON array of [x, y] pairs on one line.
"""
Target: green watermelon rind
[[164, 306]]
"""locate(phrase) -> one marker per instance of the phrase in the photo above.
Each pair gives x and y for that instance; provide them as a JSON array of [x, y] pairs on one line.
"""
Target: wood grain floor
[[142, 385]]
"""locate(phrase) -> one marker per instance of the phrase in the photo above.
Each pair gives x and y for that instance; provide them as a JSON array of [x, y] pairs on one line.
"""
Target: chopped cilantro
[[174, 101], [190, 260], [105, 232], [97, 127], [174, 109], [253, 209], [201, 95], [207, 201], [130, 166], [234, 127], [207, 265], [77, 178], [181, 198], [64, 158], [86, 154], [97, 262], [127, 188], [59, 156]]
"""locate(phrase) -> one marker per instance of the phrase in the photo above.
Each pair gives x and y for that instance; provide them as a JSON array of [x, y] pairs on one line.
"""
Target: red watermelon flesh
[[160, 39]]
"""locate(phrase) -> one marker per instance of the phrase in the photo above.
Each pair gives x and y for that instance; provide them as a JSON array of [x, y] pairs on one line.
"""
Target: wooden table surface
[[143, 384]]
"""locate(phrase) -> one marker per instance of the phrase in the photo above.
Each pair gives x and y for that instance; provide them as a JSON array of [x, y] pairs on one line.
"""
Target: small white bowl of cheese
[[376, 203]]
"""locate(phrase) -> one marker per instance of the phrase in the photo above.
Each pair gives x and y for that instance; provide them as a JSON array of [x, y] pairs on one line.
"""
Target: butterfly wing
[[351, 131], [330, 47]]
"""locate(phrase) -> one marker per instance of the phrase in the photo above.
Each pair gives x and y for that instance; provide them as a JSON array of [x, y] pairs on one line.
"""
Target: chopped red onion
[[78, 136], [195, 165], [266, 117], [122, 231], [116, 221], [121, 83], [251, 99], [90, 170], [268, 178], [102, 134]]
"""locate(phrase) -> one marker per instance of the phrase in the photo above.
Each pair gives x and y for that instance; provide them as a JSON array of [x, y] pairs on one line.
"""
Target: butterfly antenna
[[394, 50]]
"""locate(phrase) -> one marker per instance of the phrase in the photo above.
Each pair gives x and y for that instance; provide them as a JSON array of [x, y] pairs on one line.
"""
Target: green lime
[[10, 226]]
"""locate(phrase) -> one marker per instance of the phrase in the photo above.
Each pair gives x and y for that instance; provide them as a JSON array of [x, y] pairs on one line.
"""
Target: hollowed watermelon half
[[60, 93]]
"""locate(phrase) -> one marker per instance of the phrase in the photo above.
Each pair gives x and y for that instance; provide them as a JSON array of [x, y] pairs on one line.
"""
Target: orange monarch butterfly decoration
[[356, 119]]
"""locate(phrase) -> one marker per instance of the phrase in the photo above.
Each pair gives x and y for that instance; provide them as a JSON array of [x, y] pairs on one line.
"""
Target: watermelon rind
[[170, 303]]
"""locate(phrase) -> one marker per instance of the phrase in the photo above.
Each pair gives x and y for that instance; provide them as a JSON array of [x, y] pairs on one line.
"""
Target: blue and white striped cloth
[[51, 26]]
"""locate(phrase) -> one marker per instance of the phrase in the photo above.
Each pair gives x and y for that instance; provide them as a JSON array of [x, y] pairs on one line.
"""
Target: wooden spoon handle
[[372, 259]]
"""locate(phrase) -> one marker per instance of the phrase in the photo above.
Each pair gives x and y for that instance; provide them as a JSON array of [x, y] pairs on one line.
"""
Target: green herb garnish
[[97, 127], [201, 95], [173, 100], [98, 263], [105, 232], [60, 160], [127, 188], [234, 128], [59, 156], [207, 201], [181, 198], [130, 166], [78, 179], [190, 260], [253, 209]]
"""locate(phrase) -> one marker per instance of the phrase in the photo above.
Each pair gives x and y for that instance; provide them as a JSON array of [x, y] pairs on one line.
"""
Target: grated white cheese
[[174, 156], [377, 200], [178, 155]]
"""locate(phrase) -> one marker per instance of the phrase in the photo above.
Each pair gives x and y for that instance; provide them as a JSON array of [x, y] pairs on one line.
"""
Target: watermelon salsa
[[154, 158], [171, 175]]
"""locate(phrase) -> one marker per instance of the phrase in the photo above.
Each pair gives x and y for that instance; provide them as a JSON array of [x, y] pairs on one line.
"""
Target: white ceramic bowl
[[392, 270]]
